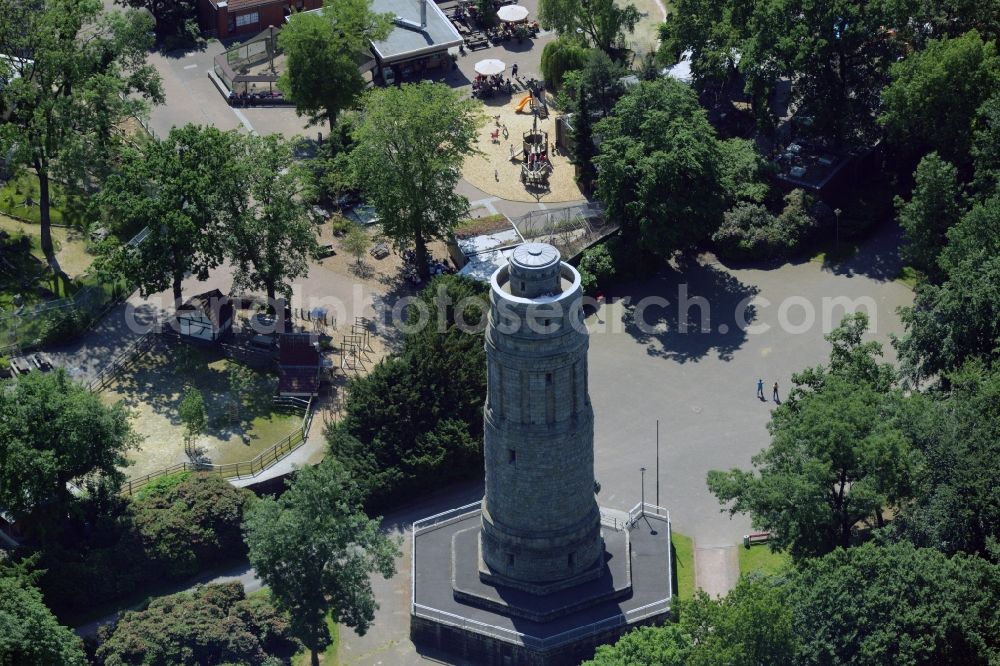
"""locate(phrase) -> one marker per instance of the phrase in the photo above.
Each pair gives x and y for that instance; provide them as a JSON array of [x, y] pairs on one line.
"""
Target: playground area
[[154, 387], [521, 163]]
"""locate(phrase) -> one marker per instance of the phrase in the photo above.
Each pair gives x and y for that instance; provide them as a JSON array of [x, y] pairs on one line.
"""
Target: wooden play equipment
[[536, 167]]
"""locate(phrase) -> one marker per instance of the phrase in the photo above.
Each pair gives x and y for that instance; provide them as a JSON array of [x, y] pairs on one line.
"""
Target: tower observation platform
[[536, 573]]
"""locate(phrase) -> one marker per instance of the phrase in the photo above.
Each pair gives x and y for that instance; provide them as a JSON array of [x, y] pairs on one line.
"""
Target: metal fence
[[30, 327], [536, 643], [570, 229]]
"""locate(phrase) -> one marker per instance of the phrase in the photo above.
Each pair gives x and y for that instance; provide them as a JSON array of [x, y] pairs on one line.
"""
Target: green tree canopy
[[316, 549], [837, 455], [410, 146], [866, 606], [986, 147], [183, 189], [560, 56], [751, 625], [213, 624], [323, 51], [605, 23], [957, 433], [29, 632], [935, 93], [936, 205], [659, 165], [959, 319], [112, 547], [419, 414], [171, 16], [898, 604], [272, 239], [53, 431], [83, 73]]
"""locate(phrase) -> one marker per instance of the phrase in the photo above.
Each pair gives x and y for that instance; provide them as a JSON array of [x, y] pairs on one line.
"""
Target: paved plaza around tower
[[700, 385]]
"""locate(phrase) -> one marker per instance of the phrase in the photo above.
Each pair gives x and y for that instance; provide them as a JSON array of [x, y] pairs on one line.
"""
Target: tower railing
[[529, 641]]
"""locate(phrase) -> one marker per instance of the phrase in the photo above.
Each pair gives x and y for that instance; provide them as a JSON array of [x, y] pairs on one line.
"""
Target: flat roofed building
[[228, 18]]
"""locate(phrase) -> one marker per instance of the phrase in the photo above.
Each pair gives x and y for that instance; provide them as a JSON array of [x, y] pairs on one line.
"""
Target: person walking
[[760, 389], [513, 70], [774, 393]]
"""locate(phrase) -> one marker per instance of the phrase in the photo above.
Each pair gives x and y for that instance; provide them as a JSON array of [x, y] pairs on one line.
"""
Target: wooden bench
[[755, 538]]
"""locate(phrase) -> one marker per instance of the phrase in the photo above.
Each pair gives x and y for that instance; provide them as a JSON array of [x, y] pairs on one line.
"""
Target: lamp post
[[642, 485], [657, 462], [837, 212]]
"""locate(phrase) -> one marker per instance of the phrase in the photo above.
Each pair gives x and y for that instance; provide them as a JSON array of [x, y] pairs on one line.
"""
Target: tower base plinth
[[456, 614]]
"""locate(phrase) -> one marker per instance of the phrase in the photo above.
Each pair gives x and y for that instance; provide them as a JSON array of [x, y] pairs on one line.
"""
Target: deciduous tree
[[183, 189], [81, 72], [272, 238], [316, 549], [896, 604], [213, 624], [192, 413], [410, 147], [171, 16], [936, 205], [605, 23], [959, 319], [935, 93], [29, 632], [837, 456], [659, 165], [323, 51], [53, 431]]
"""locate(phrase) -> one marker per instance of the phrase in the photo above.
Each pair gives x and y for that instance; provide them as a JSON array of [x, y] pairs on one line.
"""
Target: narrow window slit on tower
[[510, 559], [569, 560], [548, 379], [512, 456]]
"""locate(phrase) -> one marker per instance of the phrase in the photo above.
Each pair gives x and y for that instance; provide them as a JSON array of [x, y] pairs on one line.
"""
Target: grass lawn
[[832, 256], [329, 655], [63, 209], [683, 556], [759, 557], [24, 272], [910, 276], [153, 389]]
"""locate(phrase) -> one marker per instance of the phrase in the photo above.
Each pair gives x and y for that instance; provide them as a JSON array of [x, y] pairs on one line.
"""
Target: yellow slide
[[524, 101]]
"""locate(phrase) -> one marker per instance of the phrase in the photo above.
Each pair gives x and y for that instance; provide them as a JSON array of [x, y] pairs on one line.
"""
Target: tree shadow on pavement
[[689, 311]]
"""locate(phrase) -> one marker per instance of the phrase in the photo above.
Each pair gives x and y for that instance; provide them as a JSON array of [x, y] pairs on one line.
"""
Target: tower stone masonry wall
[[540, 521]]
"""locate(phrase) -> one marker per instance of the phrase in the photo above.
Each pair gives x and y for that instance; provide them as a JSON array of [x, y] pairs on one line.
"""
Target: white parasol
[[512, 13], [490, 66]]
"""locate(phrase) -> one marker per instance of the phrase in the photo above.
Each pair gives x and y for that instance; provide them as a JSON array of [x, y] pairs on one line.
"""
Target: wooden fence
[[124, 359], [236, 470]]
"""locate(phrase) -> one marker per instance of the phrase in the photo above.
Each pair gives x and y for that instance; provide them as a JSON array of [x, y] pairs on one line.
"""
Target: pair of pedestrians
[[774, 391]]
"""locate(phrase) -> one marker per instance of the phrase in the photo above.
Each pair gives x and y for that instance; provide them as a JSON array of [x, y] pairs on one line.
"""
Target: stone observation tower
[[541, 527], [536, 573]]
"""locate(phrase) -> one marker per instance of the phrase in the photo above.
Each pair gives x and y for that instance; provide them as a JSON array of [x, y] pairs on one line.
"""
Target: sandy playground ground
[[494, 172]]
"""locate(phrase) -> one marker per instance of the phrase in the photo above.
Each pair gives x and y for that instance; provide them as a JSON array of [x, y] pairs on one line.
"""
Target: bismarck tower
[[541, 529], [538, 573]]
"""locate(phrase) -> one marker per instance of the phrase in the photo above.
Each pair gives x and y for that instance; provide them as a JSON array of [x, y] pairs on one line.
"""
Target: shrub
[[115, 546], [64, 324], [596, 268], [192, 524], [750, 231], [214, 624]]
